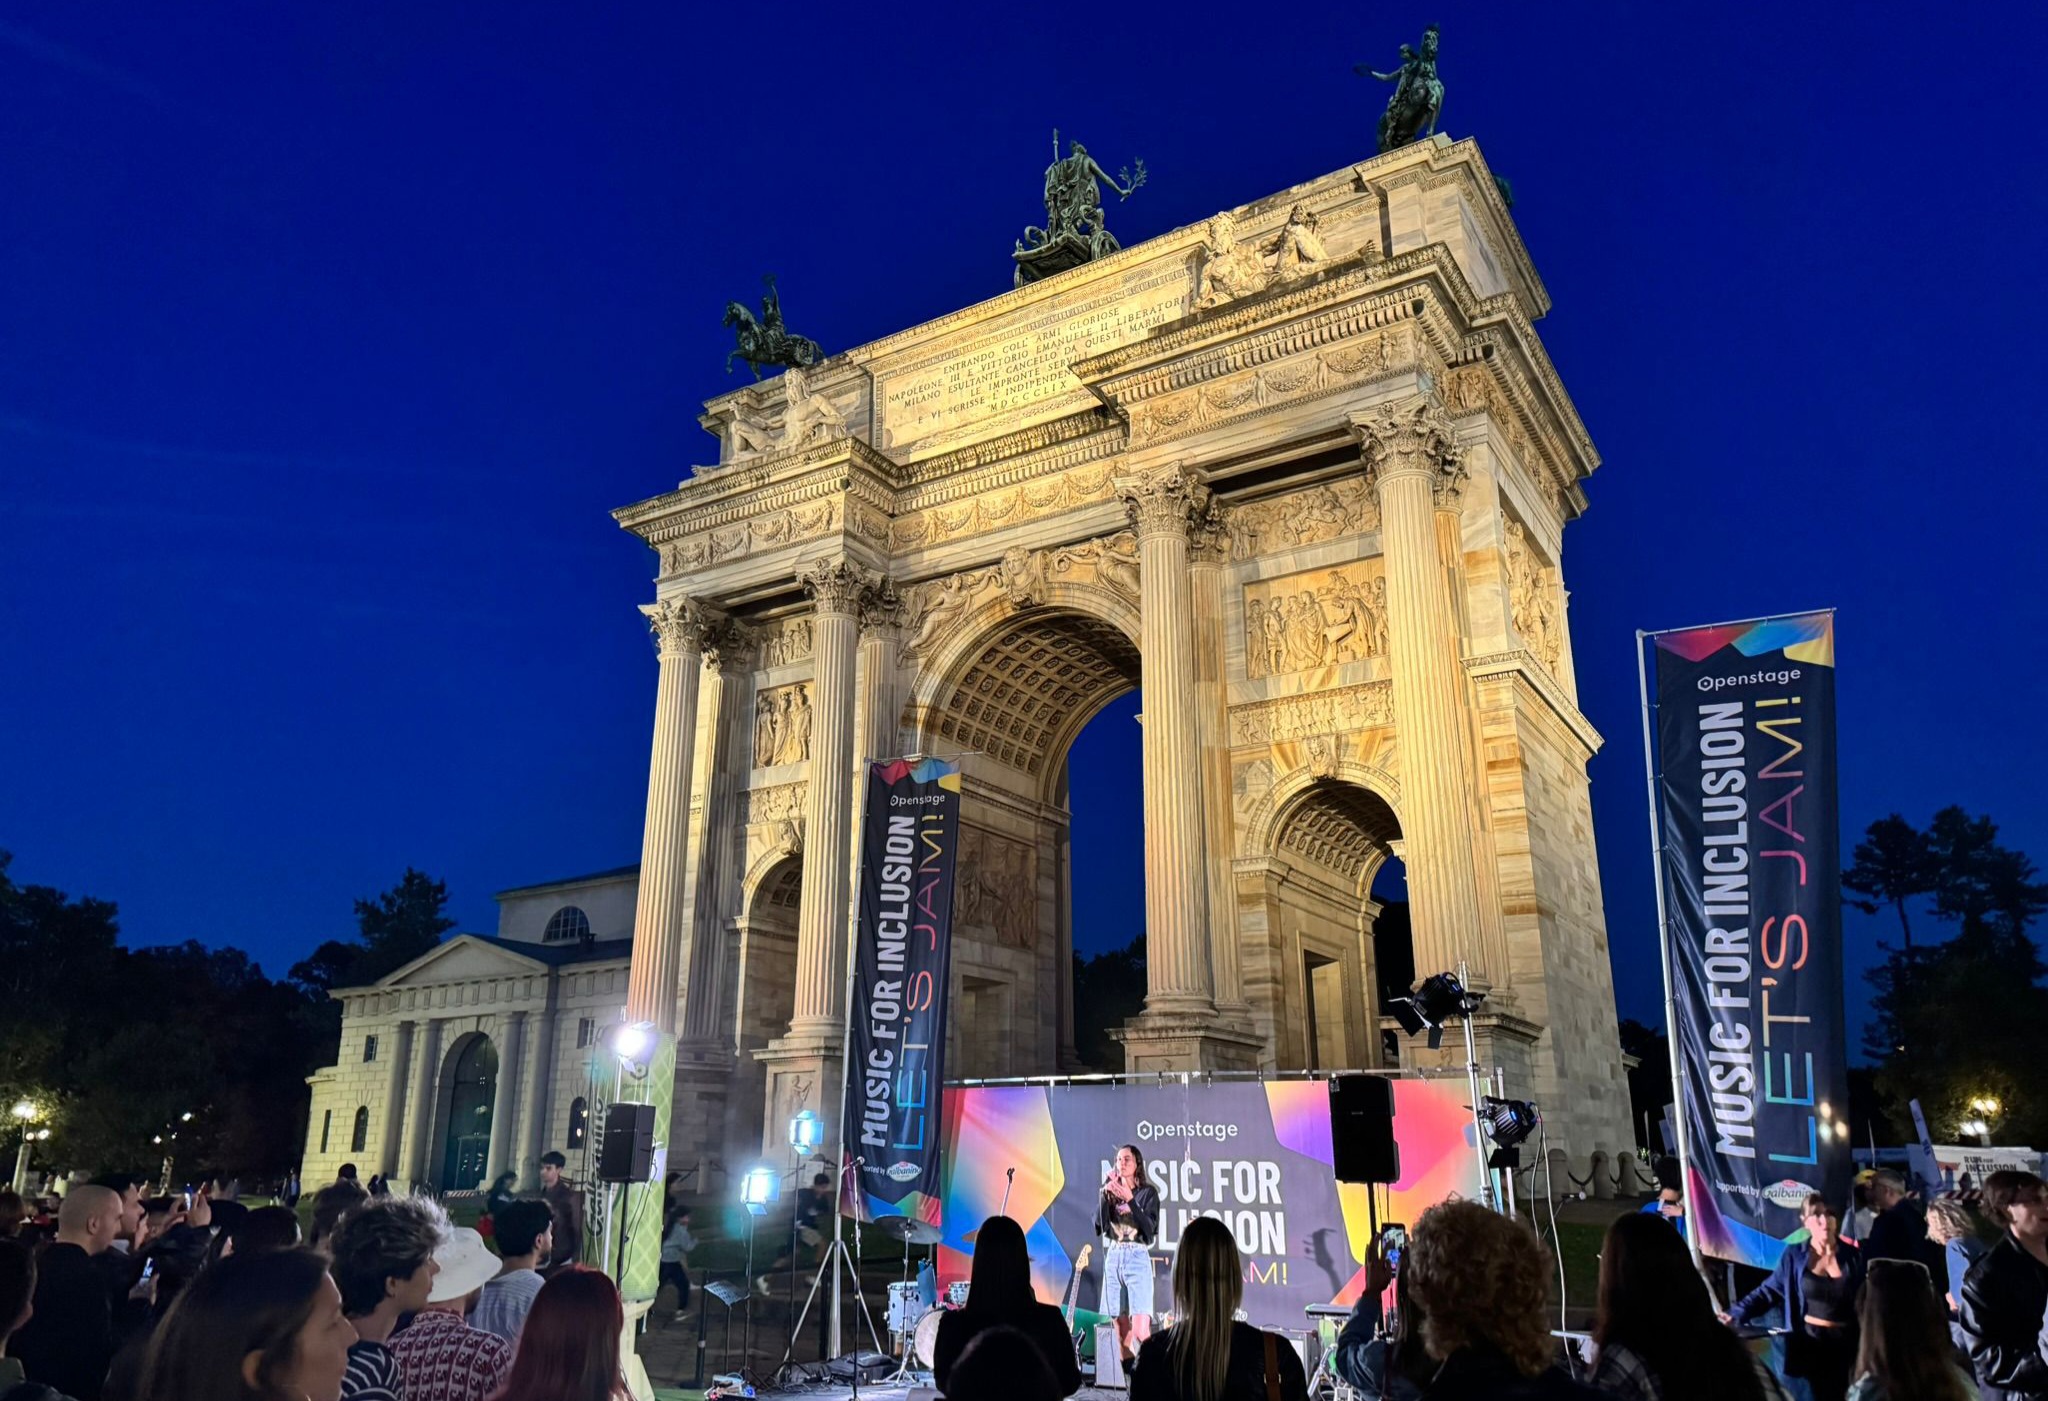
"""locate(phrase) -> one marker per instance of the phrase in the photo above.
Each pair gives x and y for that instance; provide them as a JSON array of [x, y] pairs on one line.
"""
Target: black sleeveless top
[[1829, 1298]]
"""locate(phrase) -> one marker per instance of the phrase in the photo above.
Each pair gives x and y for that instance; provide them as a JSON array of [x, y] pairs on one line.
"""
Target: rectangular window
[[586, 1032], [369, 1049], [326, 1124]]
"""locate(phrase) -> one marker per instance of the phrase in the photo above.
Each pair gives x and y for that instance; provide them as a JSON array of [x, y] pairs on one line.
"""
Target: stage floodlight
[[633, 1043], [1439, 998], [806, 1131], [759, 1189], [24, 1110], [1509, 1122]]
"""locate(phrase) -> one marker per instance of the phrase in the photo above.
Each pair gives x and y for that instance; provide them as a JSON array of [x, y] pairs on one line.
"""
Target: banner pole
[[1678, 1116], [846, 1062]]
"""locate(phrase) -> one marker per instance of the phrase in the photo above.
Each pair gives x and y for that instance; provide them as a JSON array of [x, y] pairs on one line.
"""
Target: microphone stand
[[1011, 1181]]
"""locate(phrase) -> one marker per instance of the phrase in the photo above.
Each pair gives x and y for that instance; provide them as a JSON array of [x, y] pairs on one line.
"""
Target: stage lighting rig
[[1509, 1122], [1439, 998]]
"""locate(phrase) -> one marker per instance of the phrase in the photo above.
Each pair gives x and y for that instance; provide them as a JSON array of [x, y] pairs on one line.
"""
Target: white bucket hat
[[467, 1264]]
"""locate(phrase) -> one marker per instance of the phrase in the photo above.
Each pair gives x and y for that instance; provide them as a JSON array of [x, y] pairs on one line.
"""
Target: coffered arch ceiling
[[1339, 825], [1029, 688]]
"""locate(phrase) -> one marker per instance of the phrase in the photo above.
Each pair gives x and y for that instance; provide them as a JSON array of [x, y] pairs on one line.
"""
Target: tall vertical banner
[[1750, 850], [896, 1034]]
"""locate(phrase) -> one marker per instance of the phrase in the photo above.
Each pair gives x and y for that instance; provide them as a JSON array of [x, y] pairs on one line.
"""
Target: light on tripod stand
[[759, 1189], [806, 1131], [633, 1044], [1440, 998], [1509, 1122]]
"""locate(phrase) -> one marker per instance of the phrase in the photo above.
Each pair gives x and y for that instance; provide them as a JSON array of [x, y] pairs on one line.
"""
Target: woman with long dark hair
[[261, 1327], [1904, 1354], [1207, 1355], [999, 1295], [1127, 1219], [569, 1348], [1657, 1334]]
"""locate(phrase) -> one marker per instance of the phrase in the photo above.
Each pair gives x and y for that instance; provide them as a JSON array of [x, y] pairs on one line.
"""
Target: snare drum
[[956, 1294], [905, 1308]]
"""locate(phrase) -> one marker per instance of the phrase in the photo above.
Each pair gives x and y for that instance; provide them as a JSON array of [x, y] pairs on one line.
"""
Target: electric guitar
[[1074, 1293]]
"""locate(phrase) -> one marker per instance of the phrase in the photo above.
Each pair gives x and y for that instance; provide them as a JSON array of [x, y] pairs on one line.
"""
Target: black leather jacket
[[2002, 1302]]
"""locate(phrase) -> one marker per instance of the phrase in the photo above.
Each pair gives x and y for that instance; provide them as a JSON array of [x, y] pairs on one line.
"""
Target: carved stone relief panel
[[1270, 386], [786, 642], [993, 509], [782, 726], [1353, 708], [1320, 618], [1020, 577], [1346, 507], [1533, 597], [742, 538], [997, 888]]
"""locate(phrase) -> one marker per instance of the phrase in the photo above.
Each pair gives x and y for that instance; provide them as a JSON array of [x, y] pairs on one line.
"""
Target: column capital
[[1164, 500], [836, 586], [881, 606], [679, 625], [1412, 436], [728, 643]]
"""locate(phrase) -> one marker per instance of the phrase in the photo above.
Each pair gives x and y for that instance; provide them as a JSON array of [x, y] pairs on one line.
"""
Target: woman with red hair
[[569, 1348]]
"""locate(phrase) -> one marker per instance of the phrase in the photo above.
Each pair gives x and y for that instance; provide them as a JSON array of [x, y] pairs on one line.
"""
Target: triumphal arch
[[1299, 475]]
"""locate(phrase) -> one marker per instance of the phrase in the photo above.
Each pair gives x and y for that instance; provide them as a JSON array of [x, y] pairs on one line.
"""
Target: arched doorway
[[764, 969], [1009, 694], [472, 1088], [1310, 917]]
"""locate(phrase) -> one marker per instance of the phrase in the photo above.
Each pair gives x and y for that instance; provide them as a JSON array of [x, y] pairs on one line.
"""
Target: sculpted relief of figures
[[932, 608], [1347, 507], [807, 416], [997, 887], [1354, 708], [992, 509], [789, 643], [1533, 598], [1294, 625], [782, 726], [743, 537], [1231, 269], [1270, 386]]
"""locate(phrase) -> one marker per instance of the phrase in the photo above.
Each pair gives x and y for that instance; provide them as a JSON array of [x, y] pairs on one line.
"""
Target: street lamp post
[[26, 1113]]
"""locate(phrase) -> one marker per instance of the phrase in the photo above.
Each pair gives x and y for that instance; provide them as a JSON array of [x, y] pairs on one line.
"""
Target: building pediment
[[465, 958]]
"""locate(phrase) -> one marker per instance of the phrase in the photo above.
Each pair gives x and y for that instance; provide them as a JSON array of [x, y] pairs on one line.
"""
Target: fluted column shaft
[[1163, 505], [425, 1061], [1207, 569], [836, 590], [659, 919], [1411, 453], [388, 1142], [539, 1080], [505, 1103], [719, 712]]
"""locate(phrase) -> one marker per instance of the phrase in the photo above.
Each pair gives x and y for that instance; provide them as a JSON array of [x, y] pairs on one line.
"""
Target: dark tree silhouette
[[1894, 864]]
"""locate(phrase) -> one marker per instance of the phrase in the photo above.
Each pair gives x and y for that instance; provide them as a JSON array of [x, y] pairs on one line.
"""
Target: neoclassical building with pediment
[[1299, 475]]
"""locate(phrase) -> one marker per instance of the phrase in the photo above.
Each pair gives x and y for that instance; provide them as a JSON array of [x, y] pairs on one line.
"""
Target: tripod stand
[[836, 1254]]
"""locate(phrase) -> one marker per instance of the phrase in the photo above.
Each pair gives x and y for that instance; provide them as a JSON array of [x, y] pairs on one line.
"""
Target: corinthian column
[[1412, 458], [727, 653], [1164, 505], [836, 589], [659, 919]]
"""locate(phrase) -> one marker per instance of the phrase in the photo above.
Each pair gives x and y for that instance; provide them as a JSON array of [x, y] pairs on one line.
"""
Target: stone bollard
[[1632, 1177], [1601, 1186], [1560, 1175]]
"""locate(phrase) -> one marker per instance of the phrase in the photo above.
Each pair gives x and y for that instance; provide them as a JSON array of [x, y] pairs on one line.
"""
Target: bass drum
[[924, 1343]]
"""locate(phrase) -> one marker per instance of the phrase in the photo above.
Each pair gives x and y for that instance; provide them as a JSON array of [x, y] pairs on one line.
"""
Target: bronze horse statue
[[1418, 98], [766, 342]]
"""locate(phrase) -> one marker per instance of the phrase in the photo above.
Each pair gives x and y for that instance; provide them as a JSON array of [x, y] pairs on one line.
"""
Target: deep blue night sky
[[329, 335]]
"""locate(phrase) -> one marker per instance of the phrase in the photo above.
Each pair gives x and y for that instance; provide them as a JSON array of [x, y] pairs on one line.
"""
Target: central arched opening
[[1051, 850]]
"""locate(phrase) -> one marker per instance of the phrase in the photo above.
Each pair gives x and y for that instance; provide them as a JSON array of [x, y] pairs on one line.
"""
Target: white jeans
[[1126, 1278]]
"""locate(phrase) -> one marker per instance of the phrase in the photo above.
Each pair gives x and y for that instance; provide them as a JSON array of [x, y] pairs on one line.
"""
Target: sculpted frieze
[[1346, 507], [736, 541], [1323, 618], [787, 642], [784, 802], [994, 509], [1020, 577], [996, 888], [1533, 598], [1272, 386], [782, 726], [1365, 707]]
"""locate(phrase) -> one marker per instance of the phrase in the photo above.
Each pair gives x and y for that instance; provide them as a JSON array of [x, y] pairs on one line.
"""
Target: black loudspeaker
[[1362, 1129], [627, 1152]]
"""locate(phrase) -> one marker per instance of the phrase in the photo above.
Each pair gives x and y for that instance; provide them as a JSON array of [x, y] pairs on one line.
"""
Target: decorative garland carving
[[1273, 386]]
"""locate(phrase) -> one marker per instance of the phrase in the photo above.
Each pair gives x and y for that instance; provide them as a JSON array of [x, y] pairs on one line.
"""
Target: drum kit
[[914, 1324]]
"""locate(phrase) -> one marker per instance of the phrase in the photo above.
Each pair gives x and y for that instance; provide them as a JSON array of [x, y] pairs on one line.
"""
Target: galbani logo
[[905, 1172], [1788, 1193]]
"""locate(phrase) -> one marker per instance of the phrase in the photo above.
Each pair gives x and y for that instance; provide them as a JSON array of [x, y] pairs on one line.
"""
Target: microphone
[[1010, 1173]]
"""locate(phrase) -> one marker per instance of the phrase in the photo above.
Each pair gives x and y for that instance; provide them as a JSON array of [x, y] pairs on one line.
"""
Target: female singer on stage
[[1128, 1220]]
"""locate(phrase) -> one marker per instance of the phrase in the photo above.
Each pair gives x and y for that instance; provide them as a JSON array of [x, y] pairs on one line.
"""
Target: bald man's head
[[90, 1218]]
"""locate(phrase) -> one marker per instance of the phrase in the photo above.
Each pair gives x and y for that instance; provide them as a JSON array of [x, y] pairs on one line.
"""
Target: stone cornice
[[725, 494], [1442, 168], [1522, 665]]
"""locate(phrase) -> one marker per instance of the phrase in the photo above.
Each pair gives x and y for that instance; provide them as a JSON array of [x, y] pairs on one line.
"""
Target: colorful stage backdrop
[[1752, 889], [896, 1034], [1257, 1156]]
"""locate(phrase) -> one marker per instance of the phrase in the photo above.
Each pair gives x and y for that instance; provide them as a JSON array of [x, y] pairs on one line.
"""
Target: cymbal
[[908, 1231]]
